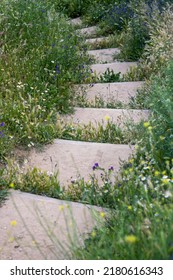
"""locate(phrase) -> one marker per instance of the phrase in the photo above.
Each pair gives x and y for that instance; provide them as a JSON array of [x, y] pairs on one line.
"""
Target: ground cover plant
[[41, 56]]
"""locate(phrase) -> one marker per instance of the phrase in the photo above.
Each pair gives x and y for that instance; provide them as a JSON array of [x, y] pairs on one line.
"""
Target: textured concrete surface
[[72, 158], [88, 31], [76, 21], [96, 40], [122, 67], [45, 227], [110, 91], [104, 55], [95, 115]]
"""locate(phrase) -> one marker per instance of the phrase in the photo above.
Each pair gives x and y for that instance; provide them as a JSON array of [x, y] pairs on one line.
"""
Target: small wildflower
[[2, 124], [162, 138], [146, 124], [150, 128], [129, 207], [61, 207], [111, 168], [13, 223], [131, 239], [95, 166], [12, 185], [165, 180], [102, 214], [93, 234], [156, 173], [107, 118]]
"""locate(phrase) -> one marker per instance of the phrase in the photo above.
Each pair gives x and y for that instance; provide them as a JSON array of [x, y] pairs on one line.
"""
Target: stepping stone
[[100, 115], [46, 227], [117, 92], [96, 40], [104, 55], [71, 158], [117, 67], [76, 21], [88, 31]]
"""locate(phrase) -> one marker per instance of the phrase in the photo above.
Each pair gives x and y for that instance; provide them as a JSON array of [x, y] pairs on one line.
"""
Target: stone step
[[45, 228], [101, 115], [117, 67], [76, 21], [104, 55], [73, 158], [88, 31], [94, 41], [117, 92]]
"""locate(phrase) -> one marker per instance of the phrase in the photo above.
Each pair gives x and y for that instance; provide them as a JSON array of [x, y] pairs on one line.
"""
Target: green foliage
[[105, 132], [41, 56], [110, 76], [30, 180]]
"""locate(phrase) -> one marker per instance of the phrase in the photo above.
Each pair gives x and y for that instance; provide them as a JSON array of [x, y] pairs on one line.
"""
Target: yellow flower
[[12, 185], [13, 223], [102, 214], [107, 118], [130, 170], [156, 173], [131, 239], [162, 138], [131, 160], [93, 234], [150, 128], [146, 124], [164, 172], [165, 181], [61, 207], [129, 207]]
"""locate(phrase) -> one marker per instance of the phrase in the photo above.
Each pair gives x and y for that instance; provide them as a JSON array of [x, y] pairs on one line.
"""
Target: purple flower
[[57, 69], [2, 124], [1, 134], [96, 165], [111, 168]]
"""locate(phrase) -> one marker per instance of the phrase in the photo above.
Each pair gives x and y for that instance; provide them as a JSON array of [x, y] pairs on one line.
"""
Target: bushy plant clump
[[41, 56]]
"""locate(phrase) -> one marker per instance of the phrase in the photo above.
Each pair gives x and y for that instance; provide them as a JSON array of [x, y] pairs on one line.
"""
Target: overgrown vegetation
[[41, 57]]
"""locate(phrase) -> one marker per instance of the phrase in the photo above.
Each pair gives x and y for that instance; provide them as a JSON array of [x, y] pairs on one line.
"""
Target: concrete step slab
[[88, 31], [118, 92], [101, 115], [104, 55], [76, 21], [94, 41], [45, 228], [73, 158], [122, 67]]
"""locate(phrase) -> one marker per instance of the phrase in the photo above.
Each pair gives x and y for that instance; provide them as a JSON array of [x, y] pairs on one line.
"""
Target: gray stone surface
[[46, 228], [76, 21], [104, 55], [96, 40], [122, 67], [110, 91], [88, 31], [72, 158], [100, 115]]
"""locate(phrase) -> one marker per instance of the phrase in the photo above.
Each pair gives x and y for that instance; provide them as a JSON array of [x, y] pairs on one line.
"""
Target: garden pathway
[[45, 226]]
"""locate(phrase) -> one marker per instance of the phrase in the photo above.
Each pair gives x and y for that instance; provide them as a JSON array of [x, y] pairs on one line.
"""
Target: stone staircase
[[46, 227]]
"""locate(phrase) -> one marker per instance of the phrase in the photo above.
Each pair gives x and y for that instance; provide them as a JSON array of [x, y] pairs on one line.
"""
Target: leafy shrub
[[158, 50], [40, 57]]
